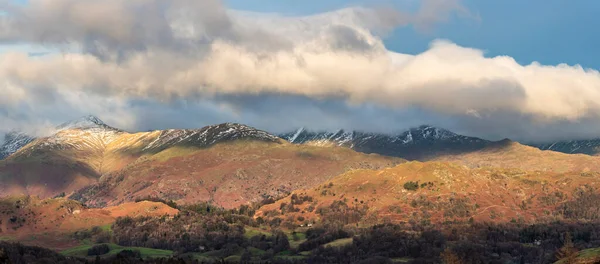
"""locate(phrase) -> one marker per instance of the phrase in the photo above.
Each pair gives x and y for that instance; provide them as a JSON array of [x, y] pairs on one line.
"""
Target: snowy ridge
[[91, 134], [295, 136], [79, 139], [13, 141], [83, 123], [343, 138], [413, 143], [209, 135], [83, 133], [590, 146]]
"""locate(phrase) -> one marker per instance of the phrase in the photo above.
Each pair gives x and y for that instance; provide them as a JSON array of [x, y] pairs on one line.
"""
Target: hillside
[[510, 154], [13, 141], [228, 164], [53, 221], [228, 174], [438, 192]]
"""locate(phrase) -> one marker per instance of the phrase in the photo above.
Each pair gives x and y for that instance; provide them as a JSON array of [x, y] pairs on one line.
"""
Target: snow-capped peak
[[416, 142], [430, 132], [209, 135], [295, 136], [86, 122], [13, 141]]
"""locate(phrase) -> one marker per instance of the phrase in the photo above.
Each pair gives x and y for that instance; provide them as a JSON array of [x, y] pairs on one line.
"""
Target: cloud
[[125, 59]]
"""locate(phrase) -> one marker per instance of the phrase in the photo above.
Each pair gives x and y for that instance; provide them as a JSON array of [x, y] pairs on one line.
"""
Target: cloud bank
[[122, 59]]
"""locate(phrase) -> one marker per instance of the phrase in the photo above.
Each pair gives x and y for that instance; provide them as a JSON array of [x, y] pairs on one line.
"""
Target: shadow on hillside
[[46, 178], [426, 152], [188, 143]]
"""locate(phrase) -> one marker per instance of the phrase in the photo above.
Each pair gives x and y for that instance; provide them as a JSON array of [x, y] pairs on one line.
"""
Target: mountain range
[[228, 164], [424, 142], [88, 177], [232, 164], [588, 146], [419, 143]]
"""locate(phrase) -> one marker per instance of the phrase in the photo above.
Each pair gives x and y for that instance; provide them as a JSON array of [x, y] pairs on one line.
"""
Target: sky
[[525, 70]]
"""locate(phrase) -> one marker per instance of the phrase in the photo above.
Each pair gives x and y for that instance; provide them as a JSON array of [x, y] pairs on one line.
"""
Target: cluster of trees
[[204, 228], [170, 203], [584, 206], [199, 228], [98, 250], [477, 243], [414, 185], [189, 232], [340, 213], [15, 253], [223, 231]]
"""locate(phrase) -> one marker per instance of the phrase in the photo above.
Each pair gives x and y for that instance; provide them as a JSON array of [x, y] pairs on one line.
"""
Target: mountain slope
[[422, 143], [589, 147], [440, 191], [35, 221], [13, 141], [510, 154], [228, 174], [63, 162], [110, 166]]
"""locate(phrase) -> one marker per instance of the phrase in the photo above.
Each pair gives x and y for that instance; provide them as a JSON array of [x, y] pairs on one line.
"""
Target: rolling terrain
[[227, 175], [51, 222], [511, 154], [228, 164], [440, 192], [238, 190]]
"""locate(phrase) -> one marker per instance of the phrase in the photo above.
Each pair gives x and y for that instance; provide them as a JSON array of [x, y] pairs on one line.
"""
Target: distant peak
[[296, 134], [428, 127], [14, 134], [93, 119], [84, 122], [504, 143]]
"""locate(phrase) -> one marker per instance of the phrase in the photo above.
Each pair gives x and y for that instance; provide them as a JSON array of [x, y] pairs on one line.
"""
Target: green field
[[339, 243], [300, 238], [81, 251], [586, 256], [107, 228], [250, 232]]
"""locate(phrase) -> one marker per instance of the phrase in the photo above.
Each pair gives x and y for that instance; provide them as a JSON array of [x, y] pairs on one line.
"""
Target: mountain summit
[[209, 135], [13, 141], [85, 122], [419, 143]]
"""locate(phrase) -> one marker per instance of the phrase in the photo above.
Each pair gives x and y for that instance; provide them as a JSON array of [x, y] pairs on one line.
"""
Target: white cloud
[[162, 50]]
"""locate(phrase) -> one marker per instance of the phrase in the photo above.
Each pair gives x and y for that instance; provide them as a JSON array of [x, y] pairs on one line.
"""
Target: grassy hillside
[[227, 174], [440, 192]]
